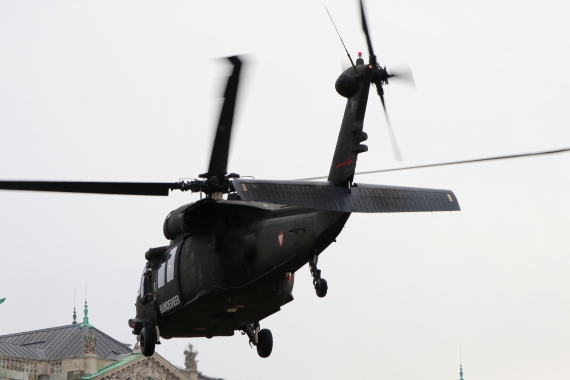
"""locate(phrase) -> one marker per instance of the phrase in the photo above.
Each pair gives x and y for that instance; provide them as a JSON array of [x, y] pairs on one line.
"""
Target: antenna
[[349, 57]]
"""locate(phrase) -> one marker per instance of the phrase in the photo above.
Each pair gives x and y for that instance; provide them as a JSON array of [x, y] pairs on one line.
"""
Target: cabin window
[[171, 265], [161, 275]]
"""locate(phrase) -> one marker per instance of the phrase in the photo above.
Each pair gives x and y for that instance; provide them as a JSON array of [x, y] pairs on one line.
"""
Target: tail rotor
[[380, 78]]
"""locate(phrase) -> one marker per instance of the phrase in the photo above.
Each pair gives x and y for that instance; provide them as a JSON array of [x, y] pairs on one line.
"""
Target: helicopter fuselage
[[237, 269], [231, 263]]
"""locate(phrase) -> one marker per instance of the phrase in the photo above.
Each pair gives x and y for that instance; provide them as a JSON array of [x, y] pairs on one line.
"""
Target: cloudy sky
[[129, 91]]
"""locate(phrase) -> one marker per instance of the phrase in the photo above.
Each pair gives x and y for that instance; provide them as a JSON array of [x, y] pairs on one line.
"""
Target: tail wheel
[[264, 343], [148, 340]]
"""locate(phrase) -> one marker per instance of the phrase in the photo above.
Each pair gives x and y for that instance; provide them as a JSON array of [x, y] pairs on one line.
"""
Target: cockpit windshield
[[141, 287]]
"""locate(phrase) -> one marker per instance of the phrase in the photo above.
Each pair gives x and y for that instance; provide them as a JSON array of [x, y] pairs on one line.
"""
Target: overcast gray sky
[[127, 91]]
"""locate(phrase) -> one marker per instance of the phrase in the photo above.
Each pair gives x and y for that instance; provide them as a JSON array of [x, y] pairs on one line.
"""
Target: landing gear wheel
[[319, 283], [264, 343], [148, 340], [321, 287]]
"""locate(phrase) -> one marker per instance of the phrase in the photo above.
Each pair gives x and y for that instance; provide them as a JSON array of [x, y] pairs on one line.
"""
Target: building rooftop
[[60, 342]]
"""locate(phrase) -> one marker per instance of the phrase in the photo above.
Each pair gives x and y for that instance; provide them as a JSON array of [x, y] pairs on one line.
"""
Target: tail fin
[[355, 87]]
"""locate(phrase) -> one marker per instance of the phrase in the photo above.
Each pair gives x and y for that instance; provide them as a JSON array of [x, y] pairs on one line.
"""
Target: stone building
[[79, 351]]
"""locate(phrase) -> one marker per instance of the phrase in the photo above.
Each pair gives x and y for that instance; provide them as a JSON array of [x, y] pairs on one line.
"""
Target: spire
[[85, 318], [460, 366], [74, 313], [85, 311]]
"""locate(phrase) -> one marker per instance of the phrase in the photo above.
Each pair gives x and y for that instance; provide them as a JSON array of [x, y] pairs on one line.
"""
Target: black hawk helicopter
[[230, 263]]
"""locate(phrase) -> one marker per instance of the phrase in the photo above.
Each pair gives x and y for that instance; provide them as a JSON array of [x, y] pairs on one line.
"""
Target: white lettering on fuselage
[[167, 305]]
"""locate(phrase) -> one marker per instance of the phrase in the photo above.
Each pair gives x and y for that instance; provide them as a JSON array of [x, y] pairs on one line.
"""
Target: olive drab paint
[[230, 263]]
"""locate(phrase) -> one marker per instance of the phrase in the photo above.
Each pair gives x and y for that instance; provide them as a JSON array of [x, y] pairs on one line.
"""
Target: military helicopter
[[230, 263]]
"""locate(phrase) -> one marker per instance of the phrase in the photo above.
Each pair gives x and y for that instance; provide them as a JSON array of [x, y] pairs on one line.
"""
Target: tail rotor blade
[[393, 141], [395, 147], [344, 63], [220, 150], [380, 78], [381, 95], [368, 41], [403, 74]]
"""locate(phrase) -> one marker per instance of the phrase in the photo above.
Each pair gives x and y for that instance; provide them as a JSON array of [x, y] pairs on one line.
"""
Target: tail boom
[[355, 87]]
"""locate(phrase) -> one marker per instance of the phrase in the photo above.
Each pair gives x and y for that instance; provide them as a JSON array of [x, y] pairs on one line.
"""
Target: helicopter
[[231, 263]]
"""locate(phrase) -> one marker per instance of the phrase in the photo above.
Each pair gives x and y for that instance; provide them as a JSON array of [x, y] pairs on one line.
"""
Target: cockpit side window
[[171, 264], [161, 274]]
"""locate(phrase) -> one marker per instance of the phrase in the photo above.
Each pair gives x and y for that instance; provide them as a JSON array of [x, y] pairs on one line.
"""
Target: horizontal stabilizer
[[360, 198]]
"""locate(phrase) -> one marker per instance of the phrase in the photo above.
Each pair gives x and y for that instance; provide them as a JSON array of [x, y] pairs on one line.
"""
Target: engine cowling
[[346, 84], [191, 217]]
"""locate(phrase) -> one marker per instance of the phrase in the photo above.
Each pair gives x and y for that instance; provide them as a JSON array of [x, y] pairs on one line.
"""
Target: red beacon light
[[359, 55]]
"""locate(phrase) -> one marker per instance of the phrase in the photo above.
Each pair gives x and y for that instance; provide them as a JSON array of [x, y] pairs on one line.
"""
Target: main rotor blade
[[563, 150], [469, 161], [365, 29], [220, 150], [120, 188]]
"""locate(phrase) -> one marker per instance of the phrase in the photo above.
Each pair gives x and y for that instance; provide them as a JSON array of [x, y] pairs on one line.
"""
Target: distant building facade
[[82, 352]]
